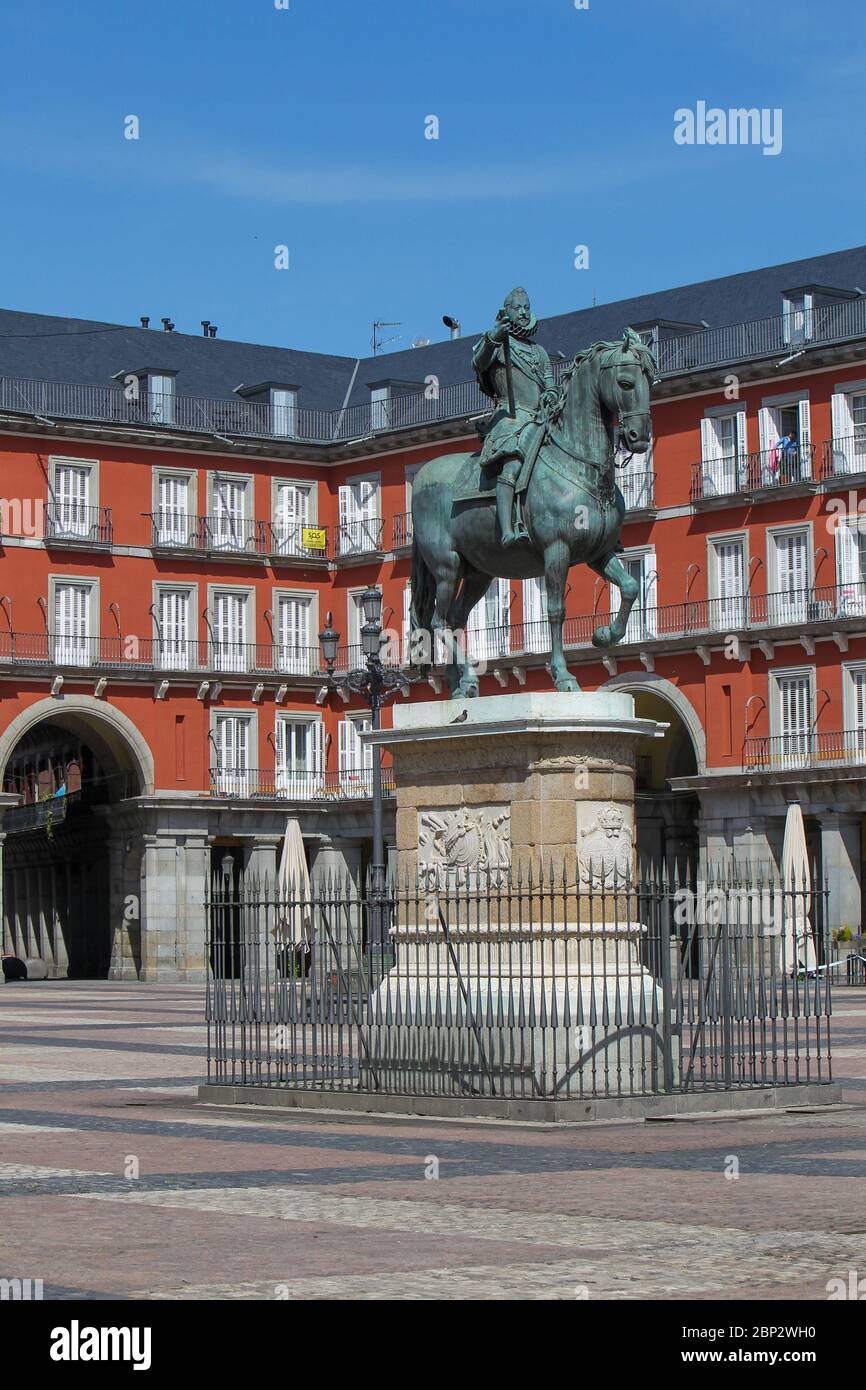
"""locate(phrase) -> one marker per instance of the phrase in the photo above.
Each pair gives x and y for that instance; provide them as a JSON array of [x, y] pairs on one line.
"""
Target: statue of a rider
[[516, 374]]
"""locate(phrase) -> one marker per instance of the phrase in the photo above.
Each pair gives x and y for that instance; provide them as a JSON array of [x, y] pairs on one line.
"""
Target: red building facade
[[169, 558]]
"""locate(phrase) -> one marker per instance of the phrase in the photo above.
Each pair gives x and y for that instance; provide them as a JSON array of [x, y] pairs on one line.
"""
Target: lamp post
[[375, 682]]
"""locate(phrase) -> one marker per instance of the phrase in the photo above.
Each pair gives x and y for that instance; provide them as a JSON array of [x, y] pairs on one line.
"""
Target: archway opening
[[68, 771], [666, 819]]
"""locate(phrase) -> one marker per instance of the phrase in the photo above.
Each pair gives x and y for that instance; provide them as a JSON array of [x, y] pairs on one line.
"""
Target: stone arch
[[114, 730], [635, 682]]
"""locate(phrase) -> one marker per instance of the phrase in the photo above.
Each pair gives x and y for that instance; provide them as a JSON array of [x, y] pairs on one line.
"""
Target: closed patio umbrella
[[293, 889], [796, 946]]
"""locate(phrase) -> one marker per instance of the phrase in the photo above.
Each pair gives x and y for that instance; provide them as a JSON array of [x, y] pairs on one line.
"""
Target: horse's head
[[626, 372]]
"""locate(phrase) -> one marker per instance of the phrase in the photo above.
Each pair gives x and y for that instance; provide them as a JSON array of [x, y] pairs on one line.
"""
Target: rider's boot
[[505, 511]]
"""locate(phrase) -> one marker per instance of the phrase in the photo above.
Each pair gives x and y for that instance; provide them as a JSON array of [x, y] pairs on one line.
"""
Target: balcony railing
[[296, 540], [359, 537], [638, 488], [770, 468], [803, 609], [298, 785], [780, 335], [78, 526], [233, 538], [844, 456], [402, 532], [806, 749]]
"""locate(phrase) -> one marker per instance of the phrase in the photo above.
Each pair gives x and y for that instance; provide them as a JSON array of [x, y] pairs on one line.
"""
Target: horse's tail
[[423, 587]]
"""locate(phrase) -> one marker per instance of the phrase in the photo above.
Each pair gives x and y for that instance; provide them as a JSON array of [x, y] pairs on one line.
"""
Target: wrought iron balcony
[[638, 488], [78, 527], [276, 784], [132, 655], [747, 473], [777, 336], [359, 538], [228, 538], [809, 748], [402, 531], [294, 541], [843, 456]]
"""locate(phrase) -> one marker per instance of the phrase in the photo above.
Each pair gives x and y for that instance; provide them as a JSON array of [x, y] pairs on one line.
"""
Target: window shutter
[[317, 750], [767, 430], [805, 438], [536, 637], [742, 434], [709, 441], [843, 453]]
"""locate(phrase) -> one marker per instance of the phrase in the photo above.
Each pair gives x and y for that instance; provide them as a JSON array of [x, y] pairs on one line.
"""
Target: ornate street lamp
[[375, 682]]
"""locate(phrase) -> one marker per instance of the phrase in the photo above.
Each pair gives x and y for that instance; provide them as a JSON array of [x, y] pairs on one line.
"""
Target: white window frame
[[728, 612], [355, 777], [536, 632], [224, 537], [485, 640], [78, 522], [793, 336], [723, 474], [239, 656], [234, 781], [293, 781], [855, 740], [283, 402], [74, 649], [768, 433], [178, 534], [850, 587], [287, 535], [359, 533], [785, 608], [380, 402], [642, 620], [169, 655], [290, 660], [797, 750], [848, 446], [161, 388]]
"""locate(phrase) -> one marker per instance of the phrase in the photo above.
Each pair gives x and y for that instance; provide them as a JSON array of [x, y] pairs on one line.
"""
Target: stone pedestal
[[520, 956]]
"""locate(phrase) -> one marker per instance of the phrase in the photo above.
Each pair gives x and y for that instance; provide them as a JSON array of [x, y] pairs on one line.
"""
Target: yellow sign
[[312, 538]]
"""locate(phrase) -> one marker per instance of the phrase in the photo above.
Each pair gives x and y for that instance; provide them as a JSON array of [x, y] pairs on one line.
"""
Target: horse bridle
[[621, 414]]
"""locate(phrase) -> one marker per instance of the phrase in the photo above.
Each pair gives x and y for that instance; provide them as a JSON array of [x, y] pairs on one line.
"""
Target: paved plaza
[[115, 1183]]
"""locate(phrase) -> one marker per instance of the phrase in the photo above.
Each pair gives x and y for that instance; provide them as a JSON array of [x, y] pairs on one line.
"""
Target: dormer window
[[797, 317], [151, 394], [284, 411], [380, 400], [275, 407], [160, 398]]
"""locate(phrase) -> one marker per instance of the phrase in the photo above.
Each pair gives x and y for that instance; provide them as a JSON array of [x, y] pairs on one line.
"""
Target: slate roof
[[84, 352]]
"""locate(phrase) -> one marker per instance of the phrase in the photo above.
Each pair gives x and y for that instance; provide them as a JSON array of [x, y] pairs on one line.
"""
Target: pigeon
[[460, 718]]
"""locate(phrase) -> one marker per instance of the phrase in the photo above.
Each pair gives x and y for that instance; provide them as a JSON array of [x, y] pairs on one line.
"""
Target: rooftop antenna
[[377, 342]]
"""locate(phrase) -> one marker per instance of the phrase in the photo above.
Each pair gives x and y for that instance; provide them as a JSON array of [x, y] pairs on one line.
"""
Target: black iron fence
[[465, 983]]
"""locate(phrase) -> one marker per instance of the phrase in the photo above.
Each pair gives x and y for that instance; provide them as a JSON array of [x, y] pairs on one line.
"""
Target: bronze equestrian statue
[[555, 453]]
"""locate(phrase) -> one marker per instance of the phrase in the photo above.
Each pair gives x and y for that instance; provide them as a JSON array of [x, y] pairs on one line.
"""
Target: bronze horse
[[572, 509]]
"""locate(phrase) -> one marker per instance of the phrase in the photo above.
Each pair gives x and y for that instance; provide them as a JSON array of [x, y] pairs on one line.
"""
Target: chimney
[[167, 325], [452, 324], [212, 330], [145, 321], [205, 325]]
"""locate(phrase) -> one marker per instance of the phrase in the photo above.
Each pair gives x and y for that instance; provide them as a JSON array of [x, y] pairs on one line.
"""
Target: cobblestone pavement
[[115, 1183]]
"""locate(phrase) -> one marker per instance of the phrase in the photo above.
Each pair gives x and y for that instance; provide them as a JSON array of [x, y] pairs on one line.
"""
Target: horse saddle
[[474, 483]]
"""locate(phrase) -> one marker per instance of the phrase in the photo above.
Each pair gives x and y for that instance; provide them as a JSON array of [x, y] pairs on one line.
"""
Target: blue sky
[[305, 127]]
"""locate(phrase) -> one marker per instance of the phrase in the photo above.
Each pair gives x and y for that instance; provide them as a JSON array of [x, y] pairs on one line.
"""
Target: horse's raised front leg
[[557, 558], [613, 570], [462, 675]]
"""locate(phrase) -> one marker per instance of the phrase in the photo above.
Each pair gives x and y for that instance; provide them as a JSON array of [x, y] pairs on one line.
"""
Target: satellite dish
[[420, 342]]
